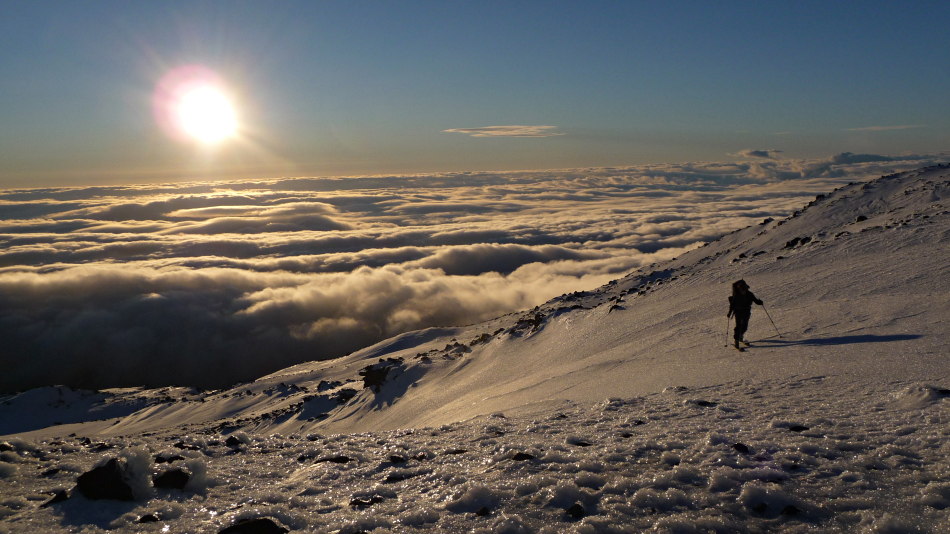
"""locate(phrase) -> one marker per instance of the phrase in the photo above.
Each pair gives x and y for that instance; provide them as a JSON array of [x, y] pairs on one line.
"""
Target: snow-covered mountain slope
[[624, 401]]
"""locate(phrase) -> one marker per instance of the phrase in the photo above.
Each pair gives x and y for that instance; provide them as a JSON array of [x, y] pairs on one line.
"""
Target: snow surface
[[613, 410]]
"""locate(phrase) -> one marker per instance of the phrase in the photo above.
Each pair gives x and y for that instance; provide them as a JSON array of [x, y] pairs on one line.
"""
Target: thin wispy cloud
[[887, 128], [515, 130], [768, 153]]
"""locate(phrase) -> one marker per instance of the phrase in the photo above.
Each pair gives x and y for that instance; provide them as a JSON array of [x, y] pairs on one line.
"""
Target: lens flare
[[191, 103]]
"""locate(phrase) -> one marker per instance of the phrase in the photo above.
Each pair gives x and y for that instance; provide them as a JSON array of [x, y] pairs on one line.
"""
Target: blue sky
[[339, 88]]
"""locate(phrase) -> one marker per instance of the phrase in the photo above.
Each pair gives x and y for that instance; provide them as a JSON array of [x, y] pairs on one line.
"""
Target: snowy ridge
[[612, 410]]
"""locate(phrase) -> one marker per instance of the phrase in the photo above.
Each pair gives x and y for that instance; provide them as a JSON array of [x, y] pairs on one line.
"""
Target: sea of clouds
[[208, 284]]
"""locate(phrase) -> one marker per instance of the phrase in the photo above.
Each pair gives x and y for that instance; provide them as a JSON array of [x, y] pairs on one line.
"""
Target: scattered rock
[[258, 525], [522, 456], [484, 511], [798, 428], [6, 447], [233, 442], [148, 518], [374, 376], [105, 482]]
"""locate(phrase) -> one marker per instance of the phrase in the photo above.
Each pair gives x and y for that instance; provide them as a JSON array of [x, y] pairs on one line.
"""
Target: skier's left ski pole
[[771, 321]]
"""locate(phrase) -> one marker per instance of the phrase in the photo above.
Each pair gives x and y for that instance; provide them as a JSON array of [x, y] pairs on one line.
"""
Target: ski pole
[[727, 332], [771, 321]]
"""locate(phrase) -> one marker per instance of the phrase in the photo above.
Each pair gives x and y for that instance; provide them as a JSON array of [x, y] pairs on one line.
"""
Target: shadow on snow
[[840, 340]]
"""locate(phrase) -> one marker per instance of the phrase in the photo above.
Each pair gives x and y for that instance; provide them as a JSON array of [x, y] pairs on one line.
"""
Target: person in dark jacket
[[740, 305]]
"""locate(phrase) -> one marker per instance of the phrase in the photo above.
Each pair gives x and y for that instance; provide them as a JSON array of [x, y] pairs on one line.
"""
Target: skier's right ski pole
[[771, 321], [726, 339]]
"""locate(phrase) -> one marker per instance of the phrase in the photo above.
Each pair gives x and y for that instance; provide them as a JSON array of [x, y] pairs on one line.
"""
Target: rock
[[149, 518], [798, 428], [105, 482], [60, 496], [258, 525], [172, 479], [484, 511], [6, 447], [522, 456], [233, 442], [741, 448], [336, 459], [360, 502], [576, 511]]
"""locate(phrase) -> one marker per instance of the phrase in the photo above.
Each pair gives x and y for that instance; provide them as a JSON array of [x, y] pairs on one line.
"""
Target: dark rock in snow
[[6, 447], [396, 459], [741, 448], [258, 525], [361, 502], [172, 479], [576, 511], [336, 459], [160, 459], [60, 496], [149, 518], [523, 456], [233, 442], [105, 482], [484, 511], [798, 428]]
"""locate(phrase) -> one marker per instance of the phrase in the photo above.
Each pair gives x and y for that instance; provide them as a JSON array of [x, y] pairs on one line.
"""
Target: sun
[[192, 104], [206, 114]]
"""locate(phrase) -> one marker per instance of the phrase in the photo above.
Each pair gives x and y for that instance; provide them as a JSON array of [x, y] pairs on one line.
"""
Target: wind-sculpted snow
[[776, 456], [209, 284]]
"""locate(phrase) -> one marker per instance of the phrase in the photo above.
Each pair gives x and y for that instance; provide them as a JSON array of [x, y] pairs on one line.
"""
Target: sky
[[359, 88]]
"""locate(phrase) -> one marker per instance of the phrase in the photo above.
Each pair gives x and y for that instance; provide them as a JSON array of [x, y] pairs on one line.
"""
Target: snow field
[[790, 455]]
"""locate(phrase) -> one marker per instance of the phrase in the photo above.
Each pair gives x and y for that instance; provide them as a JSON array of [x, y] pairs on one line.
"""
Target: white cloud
[[508, 131]]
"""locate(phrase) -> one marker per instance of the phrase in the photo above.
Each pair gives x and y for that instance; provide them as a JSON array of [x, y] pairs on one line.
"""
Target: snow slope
[[625, 397]]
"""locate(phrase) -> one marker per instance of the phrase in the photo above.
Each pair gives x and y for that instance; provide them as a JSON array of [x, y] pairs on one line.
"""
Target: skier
[[740, 305]]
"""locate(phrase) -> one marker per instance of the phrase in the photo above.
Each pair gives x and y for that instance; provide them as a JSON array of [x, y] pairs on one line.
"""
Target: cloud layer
[[210, 284]]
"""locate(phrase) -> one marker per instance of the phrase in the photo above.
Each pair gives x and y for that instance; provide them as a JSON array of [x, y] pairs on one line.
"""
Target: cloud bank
[[213, 283]]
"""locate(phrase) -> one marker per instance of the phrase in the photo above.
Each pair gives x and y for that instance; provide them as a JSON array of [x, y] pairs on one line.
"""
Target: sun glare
[[206, 114], [192, 104]]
